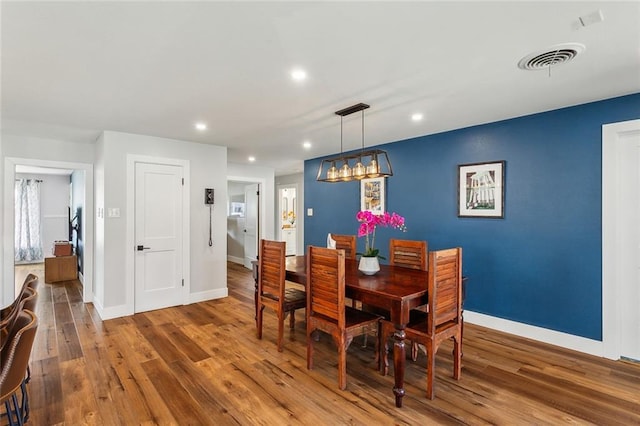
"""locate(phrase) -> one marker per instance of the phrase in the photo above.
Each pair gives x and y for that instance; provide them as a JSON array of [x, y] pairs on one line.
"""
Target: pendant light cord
[[210, 225]]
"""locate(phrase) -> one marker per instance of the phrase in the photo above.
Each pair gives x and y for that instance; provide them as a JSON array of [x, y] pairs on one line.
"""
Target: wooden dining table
[[396, 289]]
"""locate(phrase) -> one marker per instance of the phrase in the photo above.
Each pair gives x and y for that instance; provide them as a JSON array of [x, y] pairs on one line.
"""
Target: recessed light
[[417, 116], [306, 145], [252, 158], [201, 126], [298, 74]]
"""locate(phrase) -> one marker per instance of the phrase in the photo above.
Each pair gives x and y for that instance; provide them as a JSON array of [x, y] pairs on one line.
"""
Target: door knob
[[140, 248]]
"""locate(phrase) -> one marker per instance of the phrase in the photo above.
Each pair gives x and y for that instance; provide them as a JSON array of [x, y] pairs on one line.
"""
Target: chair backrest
[[346, 243], [14, 357], [12, 311], [30, 282], [28, 302], [271, 268], [445, 287], [325, 283], [408, 253]]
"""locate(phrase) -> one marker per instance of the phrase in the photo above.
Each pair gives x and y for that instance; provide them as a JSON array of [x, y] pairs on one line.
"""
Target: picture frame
[[237, 209], [481, 188], [373, 195]]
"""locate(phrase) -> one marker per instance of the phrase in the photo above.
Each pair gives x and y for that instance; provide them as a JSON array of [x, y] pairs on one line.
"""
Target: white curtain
[[28, 240]]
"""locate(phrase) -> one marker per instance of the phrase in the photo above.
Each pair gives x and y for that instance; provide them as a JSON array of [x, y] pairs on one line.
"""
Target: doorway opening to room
[[243, 220], [48, 209], [621, 240], [288, 217]]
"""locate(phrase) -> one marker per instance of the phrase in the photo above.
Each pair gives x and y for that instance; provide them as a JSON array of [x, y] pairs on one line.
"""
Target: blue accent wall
[[541, 264]]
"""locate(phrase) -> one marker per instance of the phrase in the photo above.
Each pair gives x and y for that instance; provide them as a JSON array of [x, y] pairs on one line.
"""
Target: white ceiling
[[72, 69]]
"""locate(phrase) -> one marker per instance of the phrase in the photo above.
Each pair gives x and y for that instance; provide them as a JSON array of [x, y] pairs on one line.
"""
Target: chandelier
[[372, 163]]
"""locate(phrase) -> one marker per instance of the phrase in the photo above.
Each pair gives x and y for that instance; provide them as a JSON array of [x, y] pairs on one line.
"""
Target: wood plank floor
[[202, 365]]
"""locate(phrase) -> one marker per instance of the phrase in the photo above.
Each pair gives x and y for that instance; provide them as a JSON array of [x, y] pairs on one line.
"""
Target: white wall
[[54, 205], [208, 169]]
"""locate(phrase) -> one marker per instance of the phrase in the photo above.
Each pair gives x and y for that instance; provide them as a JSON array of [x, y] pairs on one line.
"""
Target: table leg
[[399, 359]]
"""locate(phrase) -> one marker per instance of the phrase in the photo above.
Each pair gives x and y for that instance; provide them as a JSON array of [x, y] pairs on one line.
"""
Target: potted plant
[[369, 263]]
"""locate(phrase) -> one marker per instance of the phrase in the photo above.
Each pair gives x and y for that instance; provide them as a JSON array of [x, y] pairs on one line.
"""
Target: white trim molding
[[203, 296], [552, 337], [615, 259]]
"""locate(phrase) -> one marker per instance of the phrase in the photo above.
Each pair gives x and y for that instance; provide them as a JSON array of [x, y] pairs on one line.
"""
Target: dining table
[[393, 288]]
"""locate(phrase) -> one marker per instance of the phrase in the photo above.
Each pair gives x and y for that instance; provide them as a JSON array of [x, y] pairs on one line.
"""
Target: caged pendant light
[[364, 164]]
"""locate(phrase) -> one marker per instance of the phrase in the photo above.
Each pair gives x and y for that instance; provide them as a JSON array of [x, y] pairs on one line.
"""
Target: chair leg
[[310, 340], [384, 350], [25, 400], [292, 319], [281, 318], [7, 407], [414, 351], [457, 357], [259, 321], [431, 367], [342, 363]]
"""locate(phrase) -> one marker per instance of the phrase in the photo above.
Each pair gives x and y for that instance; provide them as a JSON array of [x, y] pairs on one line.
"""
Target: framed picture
[[372, 195], [481, 190], [237, 209]]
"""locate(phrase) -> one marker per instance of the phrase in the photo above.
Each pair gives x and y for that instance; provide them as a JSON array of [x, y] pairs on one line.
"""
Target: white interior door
[[158, 235], [251, 231], [621, 240]]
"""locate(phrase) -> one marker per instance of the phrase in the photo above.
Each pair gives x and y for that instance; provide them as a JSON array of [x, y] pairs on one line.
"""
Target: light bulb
[[345, 171], [372, 168], [332, 173], [359, 170]]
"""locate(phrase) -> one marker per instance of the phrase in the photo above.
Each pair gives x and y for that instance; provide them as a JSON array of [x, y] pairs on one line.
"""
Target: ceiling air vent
[[551, 57]]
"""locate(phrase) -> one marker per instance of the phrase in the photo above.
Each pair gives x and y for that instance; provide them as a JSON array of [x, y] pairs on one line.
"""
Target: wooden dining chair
[[346, 243], [442, 321], [408, 253], [14, 360], [326, 309], [272, 291]]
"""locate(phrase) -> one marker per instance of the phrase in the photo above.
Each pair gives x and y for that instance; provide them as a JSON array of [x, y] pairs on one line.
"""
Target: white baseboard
[[125, 310], [565, 340], [80, 278], [234, 259], [202, 296], [112, 312]]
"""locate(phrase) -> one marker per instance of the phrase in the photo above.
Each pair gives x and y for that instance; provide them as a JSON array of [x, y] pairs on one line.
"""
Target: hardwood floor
[[201, 364]]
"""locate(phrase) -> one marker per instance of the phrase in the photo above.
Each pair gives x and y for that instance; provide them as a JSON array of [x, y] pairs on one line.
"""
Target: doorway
[[85, 174], [621, 240], [159, 218], [288, 217], [244, 219]]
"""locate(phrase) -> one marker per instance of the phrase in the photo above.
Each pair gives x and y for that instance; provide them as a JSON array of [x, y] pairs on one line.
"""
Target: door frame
[[613, 286], [10, 163], [262, 216], [130, 225], [298, 210]]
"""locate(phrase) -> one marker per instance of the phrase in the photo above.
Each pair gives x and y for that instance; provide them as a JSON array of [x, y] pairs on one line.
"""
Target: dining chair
[[28, 300], [14, 360], [408, 253], [442, 321], [326, 309], [31, 281], [346, 243], [272, 291]]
